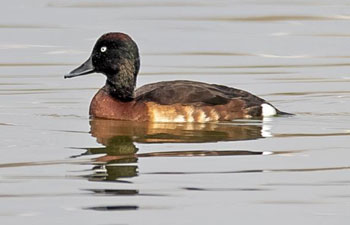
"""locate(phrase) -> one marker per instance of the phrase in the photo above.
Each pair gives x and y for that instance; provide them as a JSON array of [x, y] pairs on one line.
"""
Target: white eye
[[103, 49]]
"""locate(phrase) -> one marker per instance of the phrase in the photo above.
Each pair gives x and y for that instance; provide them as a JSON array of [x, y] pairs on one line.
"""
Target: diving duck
[[116, 56]]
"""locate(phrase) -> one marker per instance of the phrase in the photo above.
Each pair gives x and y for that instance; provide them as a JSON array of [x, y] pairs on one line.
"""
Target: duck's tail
[[269, 110], [281, 113]]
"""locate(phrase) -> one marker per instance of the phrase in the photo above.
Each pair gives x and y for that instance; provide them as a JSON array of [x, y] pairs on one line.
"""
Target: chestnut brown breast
[[105, 106]]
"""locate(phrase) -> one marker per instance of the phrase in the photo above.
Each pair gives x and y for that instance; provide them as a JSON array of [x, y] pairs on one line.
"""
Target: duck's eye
[[103, 49]]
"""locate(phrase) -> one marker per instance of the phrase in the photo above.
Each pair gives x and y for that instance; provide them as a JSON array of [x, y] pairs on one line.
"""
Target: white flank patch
[[268, 110], [202, 117], [189, 114], [179, 119], [267, 153], [165, 118]]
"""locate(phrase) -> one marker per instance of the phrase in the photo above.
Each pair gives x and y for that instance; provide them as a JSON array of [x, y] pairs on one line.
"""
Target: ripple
[[120, 192], [23, 46], [200, 153], [199, 53], [44, 163], [318, 184], [113, 208], [98, 4], [346, 133], [64, 116], [6, 124], [28, 26], [250, 171], [33, 64], [323, 93], [224, 189], [38, 195], [215, 73], [292, 202], [21, 91], [261, 66], [264, 18]]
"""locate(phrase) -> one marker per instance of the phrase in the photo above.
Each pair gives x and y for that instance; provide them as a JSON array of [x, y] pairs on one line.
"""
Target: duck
[[116, 55]]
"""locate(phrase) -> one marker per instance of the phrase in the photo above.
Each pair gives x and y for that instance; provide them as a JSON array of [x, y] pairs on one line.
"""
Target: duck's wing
[[193, 93]]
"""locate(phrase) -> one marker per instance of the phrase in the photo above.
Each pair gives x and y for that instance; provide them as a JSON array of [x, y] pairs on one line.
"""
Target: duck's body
[[180, 101], [170, 101]]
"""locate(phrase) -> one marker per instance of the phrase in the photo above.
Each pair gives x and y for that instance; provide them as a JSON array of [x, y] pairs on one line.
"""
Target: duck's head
[[112, 53]]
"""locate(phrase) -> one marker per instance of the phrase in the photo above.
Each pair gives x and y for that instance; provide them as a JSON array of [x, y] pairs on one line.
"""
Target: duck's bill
[[85, 68]]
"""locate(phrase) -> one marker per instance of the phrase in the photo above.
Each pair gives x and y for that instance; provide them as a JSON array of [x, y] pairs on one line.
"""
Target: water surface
[[58, 166]]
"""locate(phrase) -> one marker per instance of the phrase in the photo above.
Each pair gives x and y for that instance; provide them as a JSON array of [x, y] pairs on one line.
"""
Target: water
[[57, 166]]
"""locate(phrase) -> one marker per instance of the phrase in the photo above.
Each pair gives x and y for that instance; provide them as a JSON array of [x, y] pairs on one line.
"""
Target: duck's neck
[[122, 84]]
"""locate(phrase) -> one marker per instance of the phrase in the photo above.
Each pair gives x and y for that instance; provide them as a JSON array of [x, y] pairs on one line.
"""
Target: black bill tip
[[85, 68]]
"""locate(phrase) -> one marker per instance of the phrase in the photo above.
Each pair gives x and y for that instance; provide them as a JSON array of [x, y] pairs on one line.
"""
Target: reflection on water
[[118, 157], [106, 130], [114, 208], [119, 153]]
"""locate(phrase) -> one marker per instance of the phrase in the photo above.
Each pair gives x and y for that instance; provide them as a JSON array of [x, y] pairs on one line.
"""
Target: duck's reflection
[[105, 130], [118, 158]]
